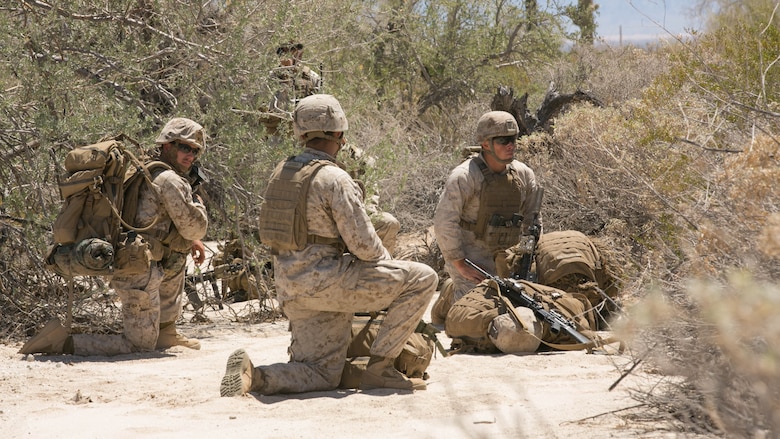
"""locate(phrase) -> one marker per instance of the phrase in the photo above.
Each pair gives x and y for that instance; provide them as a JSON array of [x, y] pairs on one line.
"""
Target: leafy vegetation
[[677, 172]]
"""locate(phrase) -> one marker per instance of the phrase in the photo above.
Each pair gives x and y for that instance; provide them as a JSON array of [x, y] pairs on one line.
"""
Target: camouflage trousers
[[140, 296], [321, 322], [172, 287]]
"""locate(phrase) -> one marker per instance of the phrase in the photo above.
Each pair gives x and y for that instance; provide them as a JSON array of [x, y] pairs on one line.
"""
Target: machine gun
[[515, 292], [530, 240], [192, 280]]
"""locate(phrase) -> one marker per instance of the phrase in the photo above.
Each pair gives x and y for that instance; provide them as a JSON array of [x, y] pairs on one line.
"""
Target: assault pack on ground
[[93, 235]]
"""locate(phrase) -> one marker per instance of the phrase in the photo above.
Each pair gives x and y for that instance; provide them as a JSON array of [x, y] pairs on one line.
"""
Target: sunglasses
[[183, 147], [504, 140]]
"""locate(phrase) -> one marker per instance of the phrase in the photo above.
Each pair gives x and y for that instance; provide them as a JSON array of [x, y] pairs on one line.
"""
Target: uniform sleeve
[[448, 214], [188, 215], [353, 223], [530, 189]]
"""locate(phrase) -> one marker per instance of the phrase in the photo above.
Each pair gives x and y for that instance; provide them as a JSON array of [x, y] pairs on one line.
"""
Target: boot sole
[[233, 383]]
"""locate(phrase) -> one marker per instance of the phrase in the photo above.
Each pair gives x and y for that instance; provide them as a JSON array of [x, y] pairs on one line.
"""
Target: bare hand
[[198, 252], [467, 272]]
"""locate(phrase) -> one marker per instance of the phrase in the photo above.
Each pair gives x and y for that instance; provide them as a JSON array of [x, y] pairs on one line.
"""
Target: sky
[[642, 21]]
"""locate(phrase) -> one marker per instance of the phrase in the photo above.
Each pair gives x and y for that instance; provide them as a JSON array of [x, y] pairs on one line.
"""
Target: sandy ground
[[175, 393]]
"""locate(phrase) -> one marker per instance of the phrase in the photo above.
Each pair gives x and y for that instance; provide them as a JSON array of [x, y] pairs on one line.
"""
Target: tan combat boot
[[169, 337], [49, 340], [381, 373], [241, 377]]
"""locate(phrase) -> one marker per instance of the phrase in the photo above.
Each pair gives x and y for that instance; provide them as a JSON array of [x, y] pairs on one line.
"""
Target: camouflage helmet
[[496, 124], [509, 339], [317, 114], [288, 47], [184, 130]]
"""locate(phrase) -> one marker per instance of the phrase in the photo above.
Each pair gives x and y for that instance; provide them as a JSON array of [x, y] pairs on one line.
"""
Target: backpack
[[571, 261], [468, 320], [90, 236], [413, 360], [469, 317], [561, 253]]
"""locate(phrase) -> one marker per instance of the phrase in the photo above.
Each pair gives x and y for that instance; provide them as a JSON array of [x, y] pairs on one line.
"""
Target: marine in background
[[291, 82]]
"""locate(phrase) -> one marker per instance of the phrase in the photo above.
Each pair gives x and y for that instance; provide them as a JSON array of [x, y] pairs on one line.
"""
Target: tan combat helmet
[[496, 124], [286, 48], [504, 332], [318, 114], [183, 130]]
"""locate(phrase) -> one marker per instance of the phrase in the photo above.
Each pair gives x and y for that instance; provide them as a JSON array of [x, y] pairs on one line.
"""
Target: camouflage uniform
[[154, 297], [295, 82], [320, 288], [357, 162], [151, 302], [460, 202]]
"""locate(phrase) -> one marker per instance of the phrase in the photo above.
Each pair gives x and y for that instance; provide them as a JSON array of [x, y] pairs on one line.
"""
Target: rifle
[[431, 331], [516, 294], [197, 177], [211, 276], [529, 241]]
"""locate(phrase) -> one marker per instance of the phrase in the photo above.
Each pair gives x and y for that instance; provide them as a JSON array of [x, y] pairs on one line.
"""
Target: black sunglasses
[[183, 147], [505, 140]]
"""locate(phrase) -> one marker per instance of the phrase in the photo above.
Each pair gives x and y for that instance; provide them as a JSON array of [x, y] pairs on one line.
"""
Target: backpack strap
[[142, 173]]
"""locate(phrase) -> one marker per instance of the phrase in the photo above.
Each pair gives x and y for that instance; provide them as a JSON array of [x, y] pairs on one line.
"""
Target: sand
[[175, 393]]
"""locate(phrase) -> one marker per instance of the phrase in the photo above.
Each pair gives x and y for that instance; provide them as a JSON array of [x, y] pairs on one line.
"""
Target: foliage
[[676, 172], [584, 16], [719, 98]]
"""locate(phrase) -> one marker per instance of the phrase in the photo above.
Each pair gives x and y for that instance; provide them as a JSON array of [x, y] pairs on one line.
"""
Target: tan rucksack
[[468, 320], [469, 317], [571, 261], [413, 361], [90, 236]]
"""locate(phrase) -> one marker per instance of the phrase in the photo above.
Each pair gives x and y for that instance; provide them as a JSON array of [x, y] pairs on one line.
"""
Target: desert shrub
[[718, 342], [676, 172], [703, 325], [611, 74]]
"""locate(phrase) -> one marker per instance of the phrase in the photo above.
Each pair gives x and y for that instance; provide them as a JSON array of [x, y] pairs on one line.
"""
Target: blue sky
[[637, 17]]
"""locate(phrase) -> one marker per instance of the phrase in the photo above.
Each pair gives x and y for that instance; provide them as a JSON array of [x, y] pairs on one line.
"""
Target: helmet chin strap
[[492, 152]]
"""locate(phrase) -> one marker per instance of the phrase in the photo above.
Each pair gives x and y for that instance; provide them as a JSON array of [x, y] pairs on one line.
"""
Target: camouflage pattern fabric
[[320, 288], [154, 297], [460, 201], [297, 82], [387, 228], [140, 296]]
